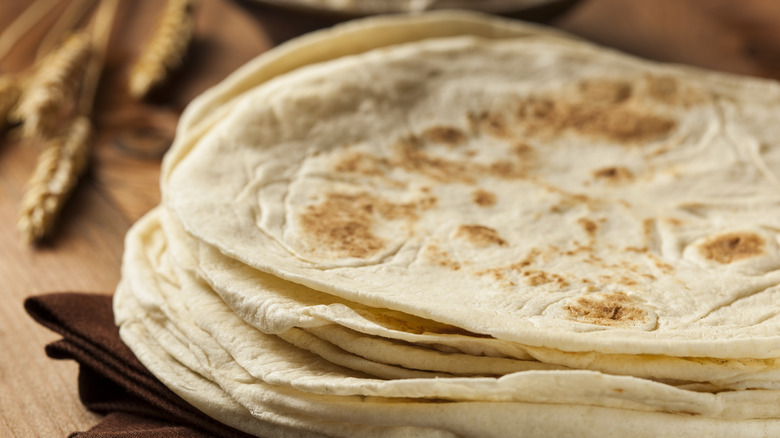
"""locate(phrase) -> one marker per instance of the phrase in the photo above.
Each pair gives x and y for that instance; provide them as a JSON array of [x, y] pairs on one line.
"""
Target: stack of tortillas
[[449, 224]]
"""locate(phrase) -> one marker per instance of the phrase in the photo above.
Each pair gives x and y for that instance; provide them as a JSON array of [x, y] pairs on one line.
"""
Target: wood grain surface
[[38, 396]]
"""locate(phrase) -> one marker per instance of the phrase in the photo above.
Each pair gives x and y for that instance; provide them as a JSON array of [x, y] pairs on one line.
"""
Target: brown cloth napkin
[[111, 380]]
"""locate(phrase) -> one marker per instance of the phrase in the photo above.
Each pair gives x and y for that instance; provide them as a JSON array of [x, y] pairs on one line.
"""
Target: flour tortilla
[[276, 306], [644, 238]]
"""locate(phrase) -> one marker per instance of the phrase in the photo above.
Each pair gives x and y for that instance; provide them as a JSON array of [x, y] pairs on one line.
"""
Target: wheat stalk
[[23, 23], [54, 85], [69, 19], [56, 173], [165, 49]]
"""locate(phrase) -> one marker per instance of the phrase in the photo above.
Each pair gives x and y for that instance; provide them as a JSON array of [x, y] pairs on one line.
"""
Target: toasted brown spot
[[437, 256], [444, 134], [342, 223], [411, 155], [662, 88], [500, 273], [668, 90], [480, 235], [605, 91], [490, 123], [363, 164], [483, 198], [614, 174], [732, 247], [608, 309], [414, 159], [660, 264], [523, 150], [616, 123], [538, 278], [507, 170], [673, 221], [588, 226]]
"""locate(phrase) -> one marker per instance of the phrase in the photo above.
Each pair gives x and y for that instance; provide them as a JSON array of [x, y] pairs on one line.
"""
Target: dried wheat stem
[[54, 85], [23, 23], [165, 49], [75, 12], [101, 37], [56, 173]]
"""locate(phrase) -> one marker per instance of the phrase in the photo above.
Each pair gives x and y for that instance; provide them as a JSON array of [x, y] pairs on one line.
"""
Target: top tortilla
[[554, 194]]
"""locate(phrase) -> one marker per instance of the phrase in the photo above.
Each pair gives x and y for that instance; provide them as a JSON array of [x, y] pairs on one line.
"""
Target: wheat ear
[[56, 173], [54, 85], [165, 49]]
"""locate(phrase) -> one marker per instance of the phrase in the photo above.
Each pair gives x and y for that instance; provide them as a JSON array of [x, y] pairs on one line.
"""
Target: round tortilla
[[509, 188]]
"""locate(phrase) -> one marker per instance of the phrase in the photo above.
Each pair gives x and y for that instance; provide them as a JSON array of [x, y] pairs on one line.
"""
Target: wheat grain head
[[53, 87], [165, 49], [56, 173]]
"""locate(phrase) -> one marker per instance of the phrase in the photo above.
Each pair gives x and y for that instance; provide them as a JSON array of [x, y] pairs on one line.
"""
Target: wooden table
[[38, 396]]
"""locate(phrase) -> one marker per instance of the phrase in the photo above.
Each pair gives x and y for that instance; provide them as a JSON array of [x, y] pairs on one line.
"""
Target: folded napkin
[[111, 380]]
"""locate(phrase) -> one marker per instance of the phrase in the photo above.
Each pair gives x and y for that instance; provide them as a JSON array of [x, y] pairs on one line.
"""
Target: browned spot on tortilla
[[616, 123], [588, 226], [342, 223], [660, 264], [614, 174], [480, 235], [523, 150], [605, 91], [508, 169], [444, 134], [732, 247], [502, 272], [435, 255], [411, 155], [483, 198], [661, 88], [490, 123], [613, 309], [673, 221], [669, 91], [363, 164], [413, 158], [538, 278]]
